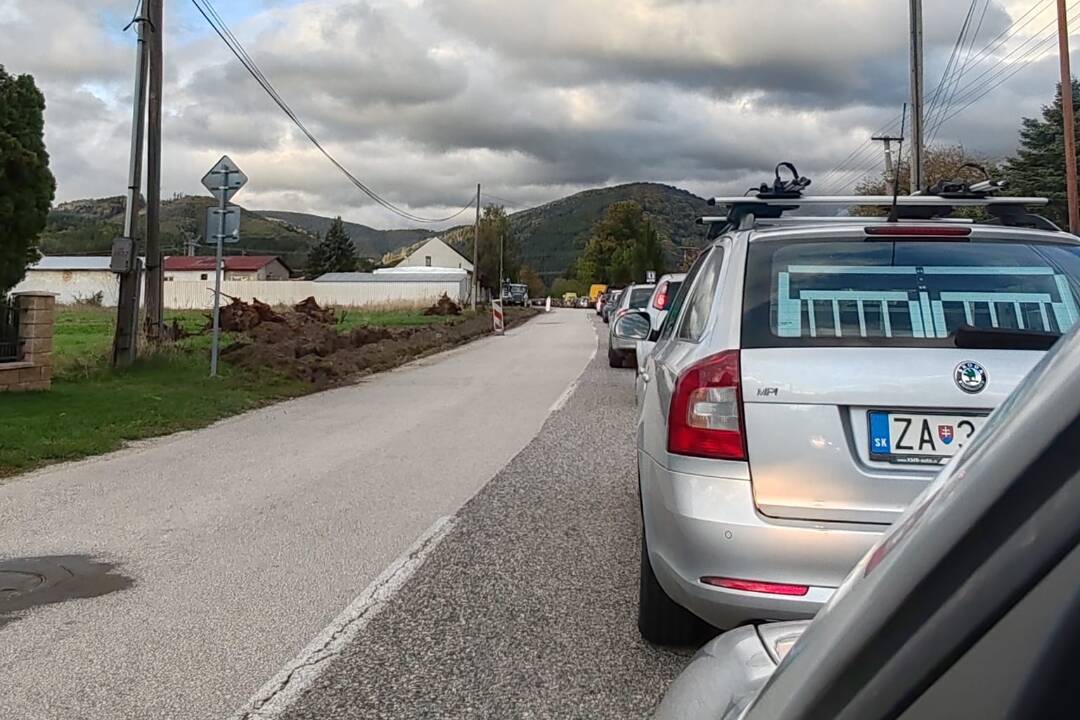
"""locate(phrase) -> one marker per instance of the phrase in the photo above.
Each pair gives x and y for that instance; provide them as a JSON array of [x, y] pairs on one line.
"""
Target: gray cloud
[[534, 98]]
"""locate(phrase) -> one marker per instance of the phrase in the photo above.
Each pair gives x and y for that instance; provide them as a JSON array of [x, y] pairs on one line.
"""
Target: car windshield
[[639, 297], [838, 293]]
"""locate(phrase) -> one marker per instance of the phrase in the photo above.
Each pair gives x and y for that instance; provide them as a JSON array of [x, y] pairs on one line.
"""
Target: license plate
[[913, 439]]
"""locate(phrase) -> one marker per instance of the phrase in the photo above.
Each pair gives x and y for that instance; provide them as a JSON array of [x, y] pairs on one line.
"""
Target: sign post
[[223, 181]]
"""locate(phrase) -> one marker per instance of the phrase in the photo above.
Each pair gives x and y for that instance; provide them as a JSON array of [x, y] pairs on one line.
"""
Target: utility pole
[[476, 251], [502, 254], [154, 275], [1069, 118], [125, 260], [917, 96], [890, 171]]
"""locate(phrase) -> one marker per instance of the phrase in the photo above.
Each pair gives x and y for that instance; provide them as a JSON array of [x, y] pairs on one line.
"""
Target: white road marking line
[[565, 397], [275, 697]]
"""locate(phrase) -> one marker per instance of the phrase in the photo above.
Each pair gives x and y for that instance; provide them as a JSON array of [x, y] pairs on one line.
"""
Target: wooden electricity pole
[[1069, 118], [154, 275], [476, 251], [890, 172]]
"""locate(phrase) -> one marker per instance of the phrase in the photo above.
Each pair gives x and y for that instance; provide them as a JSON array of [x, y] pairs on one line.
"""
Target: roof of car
[[856, 227]]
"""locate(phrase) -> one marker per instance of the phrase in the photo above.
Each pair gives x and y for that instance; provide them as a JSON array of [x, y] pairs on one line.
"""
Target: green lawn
[[92, 409]]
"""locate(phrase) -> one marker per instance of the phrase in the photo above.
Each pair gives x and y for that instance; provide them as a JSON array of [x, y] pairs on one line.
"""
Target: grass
[[92, 409]]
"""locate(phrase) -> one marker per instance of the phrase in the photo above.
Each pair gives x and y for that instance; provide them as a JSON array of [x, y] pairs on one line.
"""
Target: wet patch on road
[[26, 583]]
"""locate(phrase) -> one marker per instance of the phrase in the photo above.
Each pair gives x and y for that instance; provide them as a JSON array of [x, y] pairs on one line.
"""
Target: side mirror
[[633, 326]]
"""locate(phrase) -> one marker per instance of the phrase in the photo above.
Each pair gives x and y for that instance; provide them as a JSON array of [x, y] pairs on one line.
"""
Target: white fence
[[199, 295]]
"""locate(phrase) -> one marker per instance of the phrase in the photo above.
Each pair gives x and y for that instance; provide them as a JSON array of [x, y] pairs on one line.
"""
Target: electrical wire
[[980, 88], [953, 60], [995, 70], [210, 14]]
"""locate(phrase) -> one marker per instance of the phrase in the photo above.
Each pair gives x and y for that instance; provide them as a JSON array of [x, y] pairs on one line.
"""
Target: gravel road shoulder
[[527, 608]]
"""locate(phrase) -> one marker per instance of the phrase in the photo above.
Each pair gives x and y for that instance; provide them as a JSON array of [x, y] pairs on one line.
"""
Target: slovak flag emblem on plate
[[946, 433]]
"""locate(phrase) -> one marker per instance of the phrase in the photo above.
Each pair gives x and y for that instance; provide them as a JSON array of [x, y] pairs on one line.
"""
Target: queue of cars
[[810, 379]]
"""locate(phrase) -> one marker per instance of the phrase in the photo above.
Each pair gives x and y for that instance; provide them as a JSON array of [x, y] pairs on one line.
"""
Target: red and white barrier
[[497, 317]]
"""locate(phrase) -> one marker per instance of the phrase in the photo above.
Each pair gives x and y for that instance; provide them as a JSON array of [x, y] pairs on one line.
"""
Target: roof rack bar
[[880, 201]]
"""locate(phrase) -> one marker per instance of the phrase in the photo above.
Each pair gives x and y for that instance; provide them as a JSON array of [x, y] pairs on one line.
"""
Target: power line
[[979, 90], [996, 69], [210, 14]]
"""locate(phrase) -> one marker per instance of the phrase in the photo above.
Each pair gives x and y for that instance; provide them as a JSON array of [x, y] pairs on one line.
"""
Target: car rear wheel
[[661, 620]]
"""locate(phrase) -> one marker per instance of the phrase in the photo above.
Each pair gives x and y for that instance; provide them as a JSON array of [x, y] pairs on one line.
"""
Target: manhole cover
[[30, 582], [14, 582]]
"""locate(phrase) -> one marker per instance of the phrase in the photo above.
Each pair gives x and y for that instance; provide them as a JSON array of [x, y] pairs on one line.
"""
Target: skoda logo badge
[[970, 377]]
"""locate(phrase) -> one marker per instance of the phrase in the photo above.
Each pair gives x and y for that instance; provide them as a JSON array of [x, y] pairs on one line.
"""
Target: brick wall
[[33, 371]]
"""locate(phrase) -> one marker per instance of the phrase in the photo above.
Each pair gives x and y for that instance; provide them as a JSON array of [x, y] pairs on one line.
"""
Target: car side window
[[700, 300], [675, 313]]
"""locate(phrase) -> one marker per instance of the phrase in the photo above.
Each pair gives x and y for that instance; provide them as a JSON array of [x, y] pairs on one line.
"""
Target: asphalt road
[[238, 544], [527, 608]]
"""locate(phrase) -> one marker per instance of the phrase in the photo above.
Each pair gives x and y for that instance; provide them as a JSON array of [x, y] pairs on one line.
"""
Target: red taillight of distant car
[[661, 300], [706, 410]]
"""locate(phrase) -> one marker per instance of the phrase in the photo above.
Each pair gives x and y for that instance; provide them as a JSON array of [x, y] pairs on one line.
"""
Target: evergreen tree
[[334, 253], [27, 186], [1038, 169]]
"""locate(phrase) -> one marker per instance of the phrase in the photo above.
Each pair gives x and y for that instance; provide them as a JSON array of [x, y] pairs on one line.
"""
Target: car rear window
[[904, 293], [639, 297]]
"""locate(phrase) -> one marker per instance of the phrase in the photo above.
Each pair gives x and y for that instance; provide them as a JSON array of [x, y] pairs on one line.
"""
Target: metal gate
[[9, 332]]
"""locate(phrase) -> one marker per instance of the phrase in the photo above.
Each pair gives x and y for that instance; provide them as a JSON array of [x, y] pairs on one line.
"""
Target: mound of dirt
[[307, 350], [444, 306]]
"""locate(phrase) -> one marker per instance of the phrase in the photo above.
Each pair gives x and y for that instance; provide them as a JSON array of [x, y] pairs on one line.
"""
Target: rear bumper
[[620, 344], [700, 526]]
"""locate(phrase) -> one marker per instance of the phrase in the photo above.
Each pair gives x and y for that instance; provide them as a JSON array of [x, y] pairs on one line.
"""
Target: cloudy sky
[[422, 99]]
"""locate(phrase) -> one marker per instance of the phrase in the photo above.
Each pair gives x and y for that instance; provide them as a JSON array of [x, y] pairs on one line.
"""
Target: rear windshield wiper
[[978, 338]]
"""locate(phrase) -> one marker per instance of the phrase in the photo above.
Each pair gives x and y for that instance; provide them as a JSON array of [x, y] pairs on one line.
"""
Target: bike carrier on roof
[[769, 203]]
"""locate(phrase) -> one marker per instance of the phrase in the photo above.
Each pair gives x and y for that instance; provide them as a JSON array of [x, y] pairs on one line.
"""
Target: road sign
[[650, 277], [225, 177], [224, 180], [232, 224]]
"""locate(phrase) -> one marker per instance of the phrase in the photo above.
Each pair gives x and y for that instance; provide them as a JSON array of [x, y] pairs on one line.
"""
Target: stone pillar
[[33, 371]]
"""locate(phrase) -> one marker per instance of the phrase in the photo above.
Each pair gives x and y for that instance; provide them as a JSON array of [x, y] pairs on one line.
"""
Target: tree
[[495, 236], [1038, 168], [648, 253], [532, 279], [561, 286], [622, 247], [334, 253], [27, 186], [940, 164]]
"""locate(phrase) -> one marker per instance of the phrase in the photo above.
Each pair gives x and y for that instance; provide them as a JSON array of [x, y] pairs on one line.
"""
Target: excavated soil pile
[[307, 349], [445, 306]]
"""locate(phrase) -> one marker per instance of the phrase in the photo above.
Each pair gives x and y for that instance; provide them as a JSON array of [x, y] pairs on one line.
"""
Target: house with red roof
[[236, 267]]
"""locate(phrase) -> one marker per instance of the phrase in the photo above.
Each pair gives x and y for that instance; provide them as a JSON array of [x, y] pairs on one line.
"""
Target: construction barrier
[[497, 317]]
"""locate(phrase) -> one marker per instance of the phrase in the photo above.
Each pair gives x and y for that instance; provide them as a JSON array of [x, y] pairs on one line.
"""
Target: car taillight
[[706, 410], [661, 297]]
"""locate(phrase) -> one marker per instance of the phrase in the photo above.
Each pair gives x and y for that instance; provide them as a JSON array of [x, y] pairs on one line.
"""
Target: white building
[[437, 254], [73, 279]]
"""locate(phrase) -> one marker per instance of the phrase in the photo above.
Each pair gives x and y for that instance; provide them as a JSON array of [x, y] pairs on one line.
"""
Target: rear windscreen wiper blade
[[978, 338]]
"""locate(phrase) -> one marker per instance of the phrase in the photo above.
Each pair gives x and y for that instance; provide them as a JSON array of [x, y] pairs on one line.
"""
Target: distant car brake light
[[898, 230], [755, 586], [661, 300]]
